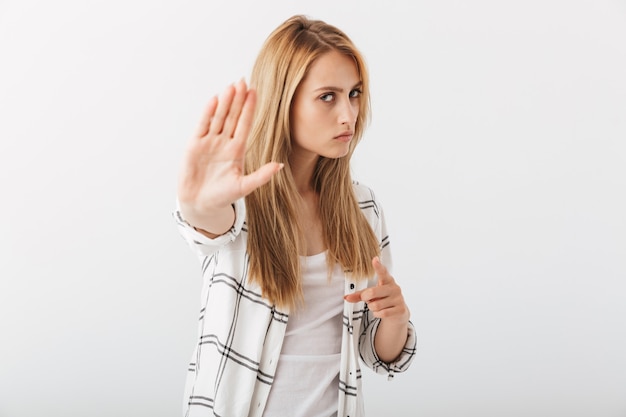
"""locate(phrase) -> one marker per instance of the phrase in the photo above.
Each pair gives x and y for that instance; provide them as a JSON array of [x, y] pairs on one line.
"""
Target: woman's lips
[[345, 137]]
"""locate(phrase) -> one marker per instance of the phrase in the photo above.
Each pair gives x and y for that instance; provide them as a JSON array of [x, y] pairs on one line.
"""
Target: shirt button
[[351, 287]]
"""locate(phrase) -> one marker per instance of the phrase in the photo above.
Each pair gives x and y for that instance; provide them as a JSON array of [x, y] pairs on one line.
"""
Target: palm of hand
[[212, 175]]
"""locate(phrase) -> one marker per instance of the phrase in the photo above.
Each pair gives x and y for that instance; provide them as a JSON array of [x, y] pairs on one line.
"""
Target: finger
[[399, 312], [355, 297], [379, 305], [390, 299], [223, 106], [235, 108], [376, 293], [259, 177], [245, 119], [383, 274], [209, 111]]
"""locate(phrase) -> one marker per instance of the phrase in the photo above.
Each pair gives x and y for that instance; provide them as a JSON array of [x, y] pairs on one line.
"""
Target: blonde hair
[[274, 235]]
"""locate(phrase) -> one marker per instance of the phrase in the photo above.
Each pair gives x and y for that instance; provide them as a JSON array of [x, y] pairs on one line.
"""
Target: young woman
[[292, 249]]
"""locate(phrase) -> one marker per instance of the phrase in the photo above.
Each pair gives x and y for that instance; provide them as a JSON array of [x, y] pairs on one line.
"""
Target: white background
[[497, 146]]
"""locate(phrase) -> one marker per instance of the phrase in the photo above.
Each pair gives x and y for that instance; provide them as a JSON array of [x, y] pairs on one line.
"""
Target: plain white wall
[[497, 147]]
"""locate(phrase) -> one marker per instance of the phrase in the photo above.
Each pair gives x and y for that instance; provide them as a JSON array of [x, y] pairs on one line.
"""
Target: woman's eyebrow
[[337, 89]]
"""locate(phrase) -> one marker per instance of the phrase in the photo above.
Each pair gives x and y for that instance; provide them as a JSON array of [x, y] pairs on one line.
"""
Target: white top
[[240, 333], [307, 376]]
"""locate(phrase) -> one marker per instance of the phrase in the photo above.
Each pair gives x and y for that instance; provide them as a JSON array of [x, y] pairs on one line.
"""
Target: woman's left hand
[[385, 299]]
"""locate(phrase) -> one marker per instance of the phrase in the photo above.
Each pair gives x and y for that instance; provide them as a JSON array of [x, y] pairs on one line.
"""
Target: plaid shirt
[[240, 333]]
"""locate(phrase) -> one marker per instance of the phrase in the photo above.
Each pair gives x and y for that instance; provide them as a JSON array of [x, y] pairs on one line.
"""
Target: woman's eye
[[355, 93], [327, 97]]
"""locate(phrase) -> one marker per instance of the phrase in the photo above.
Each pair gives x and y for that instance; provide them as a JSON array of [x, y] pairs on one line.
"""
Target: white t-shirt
[[307, 375]]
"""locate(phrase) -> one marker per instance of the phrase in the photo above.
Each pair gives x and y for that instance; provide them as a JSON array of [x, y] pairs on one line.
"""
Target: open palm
[[212, 175]]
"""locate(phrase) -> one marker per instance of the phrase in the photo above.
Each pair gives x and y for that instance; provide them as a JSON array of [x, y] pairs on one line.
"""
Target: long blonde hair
[[274, 235]]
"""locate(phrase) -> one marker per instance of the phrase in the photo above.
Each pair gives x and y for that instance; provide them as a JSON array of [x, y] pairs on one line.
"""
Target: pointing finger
[[234, 111], [245, 119], [223, 106], [355, 297]]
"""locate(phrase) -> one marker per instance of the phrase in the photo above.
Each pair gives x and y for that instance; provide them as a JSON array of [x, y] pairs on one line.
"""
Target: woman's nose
[[348, 112]]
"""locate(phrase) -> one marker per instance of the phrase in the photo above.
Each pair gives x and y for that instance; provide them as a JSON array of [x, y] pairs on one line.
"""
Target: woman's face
[[325, 108]]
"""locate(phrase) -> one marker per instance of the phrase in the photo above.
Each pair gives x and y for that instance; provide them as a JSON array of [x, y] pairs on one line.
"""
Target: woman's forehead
[[333, 70]]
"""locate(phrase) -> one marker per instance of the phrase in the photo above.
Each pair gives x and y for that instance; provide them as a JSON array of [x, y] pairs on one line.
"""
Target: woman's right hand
[[212, 175]]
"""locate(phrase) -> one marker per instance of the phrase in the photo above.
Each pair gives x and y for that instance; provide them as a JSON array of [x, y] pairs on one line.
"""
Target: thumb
[[259, 177], [383, 274]]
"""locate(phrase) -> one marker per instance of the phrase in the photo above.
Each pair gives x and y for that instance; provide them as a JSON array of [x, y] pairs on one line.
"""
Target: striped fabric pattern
[[240, 333]]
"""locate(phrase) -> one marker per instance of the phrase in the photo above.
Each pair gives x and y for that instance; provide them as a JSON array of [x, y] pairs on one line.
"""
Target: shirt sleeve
[[202, 245], [369, 326]]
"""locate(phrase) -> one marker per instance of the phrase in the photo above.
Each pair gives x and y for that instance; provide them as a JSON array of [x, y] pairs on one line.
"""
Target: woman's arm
[[386, 302]]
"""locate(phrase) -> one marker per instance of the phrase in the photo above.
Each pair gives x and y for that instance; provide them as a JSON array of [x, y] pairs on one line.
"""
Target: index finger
[[247, 114], [232, 118], [355, 297]]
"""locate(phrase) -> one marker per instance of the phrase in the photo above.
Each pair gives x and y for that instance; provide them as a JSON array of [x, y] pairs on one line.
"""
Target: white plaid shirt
[[240, 333]]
